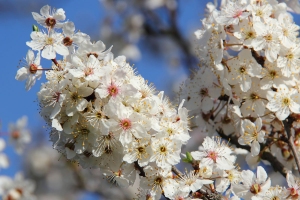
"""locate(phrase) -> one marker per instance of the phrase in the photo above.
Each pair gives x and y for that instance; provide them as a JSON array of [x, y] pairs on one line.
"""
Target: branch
[[56, 63], [172, 32], [277, 166], [176, 171], [102, 191], [287, 127]]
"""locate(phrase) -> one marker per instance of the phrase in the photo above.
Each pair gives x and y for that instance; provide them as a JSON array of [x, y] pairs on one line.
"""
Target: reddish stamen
[[113, 90], [33, 68], [125, 124], [15, 134]]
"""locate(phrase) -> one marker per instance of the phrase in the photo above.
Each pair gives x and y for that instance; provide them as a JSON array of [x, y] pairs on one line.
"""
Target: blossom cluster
[[248, 80], [103, 115]]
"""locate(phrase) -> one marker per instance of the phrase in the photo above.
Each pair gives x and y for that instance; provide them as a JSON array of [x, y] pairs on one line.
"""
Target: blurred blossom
[[16, 189], [19, 135], [4, 163], [131, 52], [40, 160]]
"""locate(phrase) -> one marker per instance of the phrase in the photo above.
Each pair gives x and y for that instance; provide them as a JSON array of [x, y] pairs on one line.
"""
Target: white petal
[[56, 125], [4, 163], [61, 49], [48, 52], [22, 74], [2, 144], [261, 174], [255, 148], [45, 10]]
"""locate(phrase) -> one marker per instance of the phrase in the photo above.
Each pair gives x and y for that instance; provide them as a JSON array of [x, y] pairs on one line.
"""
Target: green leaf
[[189, 158], [35, 28]]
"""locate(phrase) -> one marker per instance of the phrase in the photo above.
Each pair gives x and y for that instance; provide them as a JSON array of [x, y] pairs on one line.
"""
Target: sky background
[[15, 27]]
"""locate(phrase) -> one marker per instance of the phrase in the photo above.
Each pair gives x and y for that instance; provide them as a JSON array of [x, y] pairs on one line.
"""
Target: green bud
[[189, 158], [35, 28]]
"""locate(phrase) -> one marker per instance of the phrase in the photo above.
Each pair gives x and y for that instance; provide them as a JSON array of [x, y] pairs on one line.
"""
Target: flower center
[[242, 70], [170, 131], [125, 124], [50, 22], [67, 41], [158, 181], [226, 120], [255, 188], [163, 149], [293, 192], [290, 56], [254, 96], [113, 90], [250, 35], [74, 96], [108, 150], [268, 37], [92, 53], [230, 177], [273, 74], [15, 134], [49, 41], [259, 13], [204, 92], [286, 101], [56, 96], [84, 131], [33, 68], [88, 71], [212, 155], [99, 115]]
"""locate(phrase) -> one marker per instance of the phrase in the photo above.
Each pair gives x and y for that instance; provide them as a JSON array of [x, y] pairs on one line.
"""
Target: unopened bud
[[35, 28], [188, 158]]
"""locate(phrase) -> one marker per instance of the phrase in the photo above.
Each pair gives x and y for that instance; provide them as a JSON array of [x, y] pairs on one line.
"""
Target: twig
[[277, 166], [176, 171], [56, 63], [287, 127]]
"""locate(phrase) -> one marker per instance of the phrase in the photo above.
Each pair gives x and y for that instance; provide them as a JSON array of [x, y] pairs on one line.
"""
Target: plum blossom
[[252, 135], [50, 18], [20, 136], [32, 71], [251, 186], [284, 101], [49, 45], [4, 163], [214, 152]]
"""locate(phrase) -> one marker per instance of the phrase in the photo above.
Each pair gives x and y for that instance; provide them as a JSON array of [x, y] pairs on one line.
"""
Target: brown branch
[[176, 171], [56, 63], [101, 191], [172, 31], [277, 166], [287, 127], [139, 168]]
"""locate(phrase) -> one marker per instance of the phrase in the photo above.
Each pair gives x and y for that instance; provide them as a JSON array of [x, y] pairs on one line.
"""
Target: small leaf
[[35, 28], [189, 156]]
